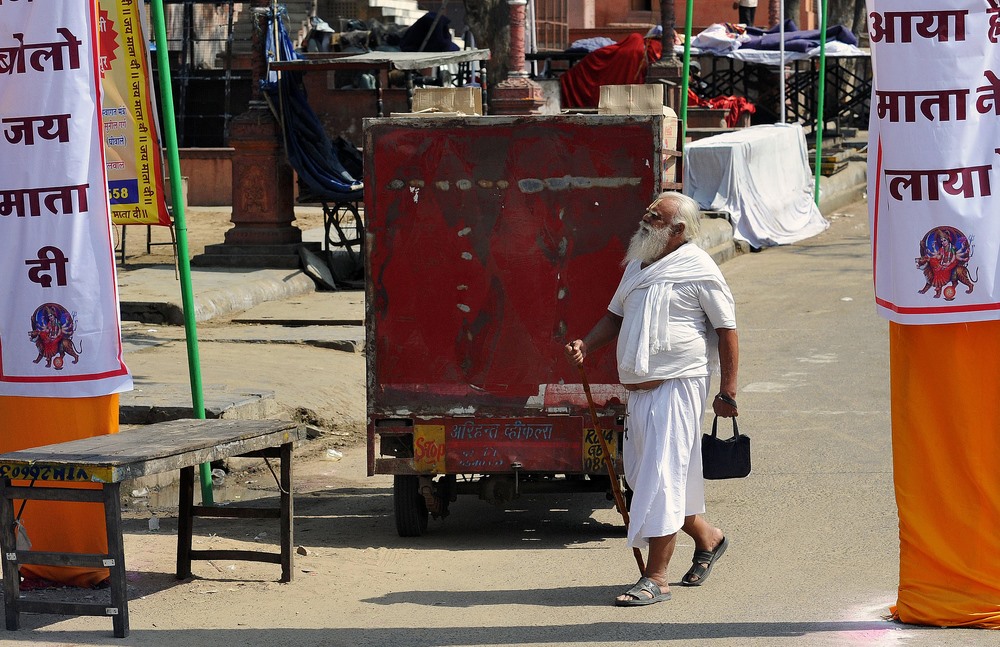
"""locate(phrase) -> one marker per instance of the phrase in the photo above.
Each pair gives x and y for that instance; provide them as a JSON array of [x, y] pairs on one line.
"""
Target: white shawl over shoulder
[[649, 334]]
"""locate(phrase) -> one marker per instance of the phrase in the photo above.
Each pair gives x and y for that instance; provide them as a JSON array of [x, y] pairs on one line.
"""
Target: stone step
[[716, 236], [402, 18], [151, 295], [400, 12], [157, 402], [259, 256]]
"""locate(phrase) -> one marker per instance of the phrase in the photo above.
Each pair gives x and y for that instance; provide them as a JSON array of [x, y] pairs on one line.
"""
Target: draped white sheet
[[761, 177]]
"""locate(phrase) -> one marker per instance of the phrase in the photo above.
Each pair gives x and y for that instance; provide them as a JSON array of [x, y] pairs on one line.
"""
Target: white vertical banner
[[934, 159], [60, 327]]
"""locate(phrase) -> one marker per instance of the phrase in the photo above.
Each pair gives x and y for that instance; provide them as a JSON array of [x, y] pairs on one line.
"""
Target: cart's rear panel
[[490, 243]]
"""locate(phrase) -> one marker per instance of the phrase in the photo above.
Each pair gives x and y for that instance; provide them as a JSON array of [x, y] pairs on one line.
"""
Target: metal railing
[[210, 77]]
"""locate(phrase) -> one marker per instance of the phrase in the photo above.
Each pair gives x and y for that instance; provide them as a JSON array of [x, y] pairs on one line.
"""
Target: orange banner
[[60, 526], [945, 445]]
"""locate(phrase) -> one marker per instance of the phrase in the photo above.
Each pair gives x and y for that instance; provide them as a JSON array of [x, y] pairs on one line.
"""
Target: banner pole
[[782, 114], [820, 99], [180, 229], [686, 81]]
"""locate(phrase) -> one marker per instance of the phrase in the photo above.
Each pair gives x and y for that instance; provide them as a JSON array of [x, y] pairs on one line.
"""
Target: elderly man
[[674, 318]]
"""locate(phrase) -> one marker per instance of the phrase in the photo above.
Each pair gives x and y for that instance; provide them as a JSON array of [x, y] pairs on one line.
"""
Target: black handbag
[[725, 458]]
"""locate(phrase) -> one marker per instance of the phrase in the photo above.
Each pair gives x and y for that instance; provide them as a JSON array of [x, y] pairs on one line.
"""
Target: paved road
[[813, 559]]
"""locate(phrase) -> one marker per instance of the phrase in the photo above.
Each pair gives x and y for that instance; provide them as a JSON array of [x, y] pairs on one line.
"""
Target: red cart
[[491, 242]]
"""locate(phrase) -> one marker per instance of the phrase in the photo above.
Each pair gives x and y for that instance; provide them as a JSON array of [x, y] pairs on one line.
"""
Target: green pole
[[686, 81], [180, 228], [820, 99]]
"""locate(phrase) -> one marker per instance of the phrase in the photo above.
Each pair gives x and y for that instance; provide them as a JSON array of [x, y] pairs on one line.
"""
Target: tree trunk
[[489, 21], [859, 21], [793, 11], [841, 12]]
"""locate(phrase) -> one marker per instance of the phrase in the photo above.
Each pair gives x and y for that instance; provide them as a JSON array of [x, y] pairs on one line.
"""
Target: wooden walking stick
[[616, 487]]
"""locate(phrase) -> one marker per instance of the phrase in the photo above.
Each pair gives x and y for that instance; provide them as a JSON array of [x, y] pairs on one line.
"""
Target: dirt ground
[[312, 383], [813, 557], [203, 226], [320, 386]]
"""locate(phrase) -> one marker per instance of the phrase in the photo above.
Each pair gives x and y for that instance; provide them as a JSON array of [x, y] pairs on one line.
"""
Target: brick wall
[[706, 12]]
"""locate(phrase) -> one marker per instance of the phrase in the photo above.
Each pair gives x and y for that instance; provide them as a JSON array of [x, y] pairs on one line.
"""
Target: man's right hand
[[576, 350], [603, 332]]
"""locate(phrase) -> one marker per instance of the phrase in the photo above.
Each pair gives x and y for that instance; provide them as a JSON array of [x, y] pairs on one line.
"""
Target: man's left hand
[[725, 406]]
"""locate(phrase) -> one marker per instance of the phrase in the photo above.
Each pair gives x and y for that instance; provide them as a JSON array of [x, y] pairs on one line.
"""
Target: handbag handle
[[715, 427]]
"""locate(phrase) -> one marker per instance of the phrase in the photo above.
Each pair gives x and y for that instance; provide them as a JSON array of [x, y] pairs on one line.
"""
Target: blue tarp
[[310, 152], [796, 40]]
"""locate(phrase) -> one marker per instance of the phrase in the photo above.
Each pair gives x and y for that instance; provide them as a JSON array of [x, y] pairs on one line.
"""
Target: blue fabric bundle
[[796, 40]]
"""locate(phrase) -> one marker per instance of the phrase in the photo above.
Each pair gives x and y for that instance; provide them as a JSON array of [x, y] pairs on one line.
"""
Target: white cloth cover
[[715, 39], [662, 457], [761, 176]]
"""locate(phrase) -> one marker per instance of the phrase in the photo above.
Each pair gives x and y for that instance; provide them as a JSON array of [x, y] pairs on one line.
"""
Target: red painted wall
[[706, 12]]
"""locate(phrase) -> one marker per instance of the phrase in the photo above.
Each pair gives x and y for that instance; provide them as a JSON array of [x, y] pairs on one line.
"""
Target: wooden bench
[[111, 459]]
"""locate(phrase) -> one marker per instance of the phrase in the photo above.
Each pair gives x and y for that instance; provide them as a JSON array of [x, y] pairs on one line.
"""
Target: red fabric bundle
[[619, 64], [737, 106], [624, 63]]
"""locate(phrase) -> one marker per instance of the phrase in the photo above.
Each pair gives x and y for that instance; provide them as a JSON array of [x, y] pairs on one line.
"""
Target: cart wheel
[[409, 506]]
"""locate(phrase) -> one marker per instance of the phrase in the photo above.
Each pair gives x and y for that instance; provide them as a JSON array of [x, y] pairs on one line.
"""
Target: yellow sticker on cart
[[593, 456], [428, 448]]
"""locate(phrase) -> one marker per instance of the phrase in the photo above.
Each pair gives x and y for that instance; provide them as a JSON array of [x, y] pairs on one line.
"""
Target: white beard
[[647, 244]]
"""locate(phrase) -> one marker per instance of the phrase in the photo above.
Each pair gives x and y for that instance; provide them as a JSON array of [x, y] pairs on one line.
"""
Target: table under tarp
[[742, 72], [381, 62], [761, 177]]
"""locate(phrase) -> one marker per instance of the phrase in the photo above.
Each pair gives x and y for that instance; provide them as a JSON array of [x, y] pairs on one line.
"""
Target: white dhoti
[[662, 457]]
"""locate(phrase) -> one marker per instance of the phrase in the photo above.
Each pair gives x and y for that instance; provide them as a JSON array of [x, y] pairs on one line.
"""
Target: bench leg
[[185, 523], [287, 514], [8, 546], [116, 549]]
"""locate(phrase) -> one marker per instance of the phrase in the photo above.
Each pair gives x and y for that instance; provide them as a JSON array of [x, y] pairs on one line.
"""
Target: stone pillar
[[671, 74], [263, 197], [262, 181], [517, 94], [669, 70]]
